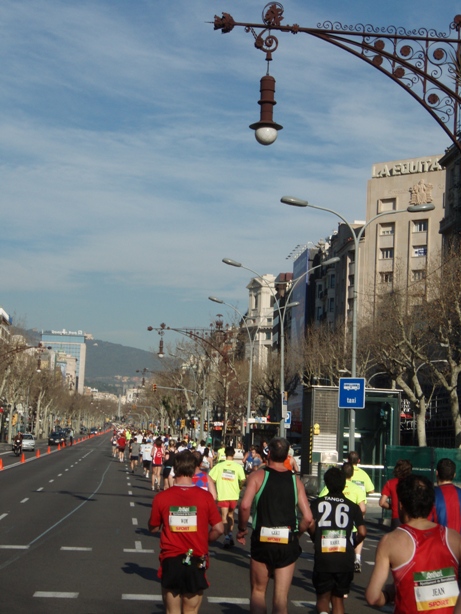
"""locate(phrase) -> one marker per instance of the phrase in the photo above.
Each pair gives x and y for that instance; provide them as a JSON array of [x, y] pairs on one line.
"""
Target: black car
[[57, 437]]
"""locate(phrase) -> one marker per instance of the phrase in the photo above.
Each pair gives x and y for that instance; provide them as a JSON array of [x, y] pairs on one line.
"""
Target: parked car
[[56, 437], [28, 442]]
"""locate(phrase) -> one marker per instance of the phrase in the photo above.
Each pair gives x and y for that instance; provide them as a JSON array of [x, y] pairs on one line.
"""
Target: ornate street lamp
[[424, 62]]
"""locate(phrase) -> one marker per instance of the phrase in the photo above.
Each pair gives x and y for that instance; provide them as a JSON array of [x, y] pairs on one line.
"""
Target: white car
[[28, 442]]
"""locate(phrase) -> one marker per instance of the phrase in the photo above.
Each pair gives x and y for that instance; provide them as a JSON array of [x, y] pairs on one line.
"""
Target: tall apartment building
[[260, 316], [5, 322], [73, 344], [395, 249]]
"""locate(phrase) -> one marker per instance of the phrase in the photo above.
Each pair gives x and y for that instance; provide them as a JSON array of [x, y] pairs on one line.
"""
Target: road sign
[[351, 393], [287, 422]]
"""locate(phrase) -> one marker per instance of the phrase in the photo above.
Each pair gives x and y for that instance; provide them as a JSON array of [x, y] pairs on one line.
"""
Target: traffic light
[[205, 426], [154, 387]]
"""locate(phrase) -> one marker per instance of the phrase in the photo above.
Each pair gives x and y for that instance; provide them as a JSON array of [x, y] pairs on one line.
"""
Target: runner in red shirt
[[184, 513], [423, 557], [158, 456]]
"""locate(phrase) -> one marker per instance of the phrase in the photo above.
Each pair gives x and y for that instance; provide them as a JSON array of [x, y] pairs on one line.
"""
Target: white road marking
[[236, 600], [3, 516], [370, 562], [66, 469], [51, 481], [134, 521], [39, 489], [59, 475], [131, 503], [139, 549], [14, 547], [55, 595], [76, 549], [130, 492], [128, 597], [25, 500], [303, 604]]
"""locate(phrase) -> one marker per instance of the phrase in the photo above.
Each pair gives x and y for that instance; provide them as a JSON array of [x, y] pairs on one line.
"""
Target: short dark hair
[[229, 451], [198, 457], [348, 469], [446, 470], [416, 495], [402, 468], [353, 457], [335, 480], [184, 464], [278, 449]]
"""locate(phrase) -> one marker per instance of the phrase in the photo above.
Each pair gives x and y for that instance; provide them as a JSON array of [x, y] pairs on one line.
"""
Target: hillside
[[111, 366]]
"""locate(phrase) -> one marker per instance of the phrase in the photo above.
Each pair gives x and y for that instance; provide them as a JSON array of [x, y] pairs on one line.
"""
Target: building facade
[[396, 250], [72, 344]]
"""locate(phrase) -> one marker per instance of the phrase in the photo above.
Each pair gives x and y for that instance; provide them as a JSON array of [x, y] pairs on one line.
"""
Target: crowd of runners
[[261, 489]]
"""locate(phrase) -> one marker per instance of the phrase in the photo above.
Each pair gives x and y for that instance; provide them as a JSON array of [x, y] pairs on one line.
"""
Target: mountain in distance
[[111, 367]]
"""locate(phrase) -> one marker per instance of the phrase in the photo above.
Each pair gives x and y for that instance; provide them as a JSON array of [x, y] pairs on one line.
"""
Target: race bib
[[333, 541], [435, 589], [228, 475], [275, 535], [183, 519]]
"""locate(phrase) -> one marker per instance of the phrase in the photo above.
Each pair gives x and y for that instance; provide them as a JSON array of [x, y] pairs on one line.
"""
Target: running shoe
[[358, 567]]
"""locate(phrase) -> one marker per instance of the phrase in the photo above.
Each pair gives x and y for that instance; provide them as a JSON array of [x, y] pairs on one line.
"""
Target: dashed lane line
[[39, 489], [25, 500], [134, 521], [233, 600], [75, 549], [55, 595], [134, 597], [13, 547], [3, 516], [139, 549]]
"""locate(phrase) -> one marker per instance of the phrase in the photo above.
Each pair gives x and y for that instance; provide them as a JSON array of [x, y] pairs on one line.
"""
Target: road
[[74, 539]]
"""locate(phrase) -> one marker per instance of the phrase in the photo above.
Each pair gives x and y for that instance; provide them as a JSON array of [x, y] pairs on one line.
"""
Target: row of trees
[[35, 396], [413, 336]]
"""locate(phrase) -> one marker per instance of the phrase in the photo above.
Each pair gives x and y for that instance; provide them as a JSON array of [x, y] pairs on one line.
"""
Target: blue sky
[[128, 171]]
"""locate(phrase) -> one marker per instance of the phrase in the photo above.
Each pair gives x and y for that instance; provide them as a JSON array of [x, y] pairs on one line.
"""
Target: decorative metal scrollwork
[[425, 62]]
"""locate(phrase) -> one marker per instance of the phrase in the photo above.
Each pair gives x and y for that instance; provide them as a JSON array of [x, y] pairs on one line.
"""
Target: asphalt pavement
[[73, 537]]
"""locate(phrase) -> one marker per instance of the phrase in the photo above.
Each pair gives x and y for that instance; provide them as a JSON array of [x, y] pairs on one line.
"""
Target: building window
[[418, 275], [420, 226], [386, 204], [319, 290], [332, 281], [386, 229], [419, 251], [387, 278], [319, 313], [331, 305], [387, 253]]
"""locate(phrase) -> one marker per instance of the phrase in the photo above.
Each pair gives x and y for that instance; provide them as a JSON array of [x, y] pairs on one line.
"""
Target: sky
[[128, 171]]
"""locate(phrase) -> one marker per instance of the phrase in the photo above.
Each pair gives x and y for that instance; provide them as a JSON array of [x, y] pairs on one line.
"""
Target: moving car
[[28, 442], [56, 437]]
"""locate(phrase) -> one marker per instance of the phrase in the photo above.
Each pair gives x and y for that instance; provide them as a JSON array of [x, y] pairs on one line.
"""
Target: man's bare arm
[[374, 593], [304, 507]]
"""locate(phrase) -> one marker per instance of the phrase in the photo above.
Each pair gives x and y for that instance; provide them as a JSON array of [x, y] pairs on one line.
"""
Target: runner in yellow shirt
[[229, 478]]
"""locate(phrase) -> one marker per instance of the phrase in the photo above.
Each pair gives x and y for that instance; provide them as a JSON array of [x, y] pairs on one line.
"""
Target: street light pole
[[287, 305], [234, 263], [297, 202], [250, 373]]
